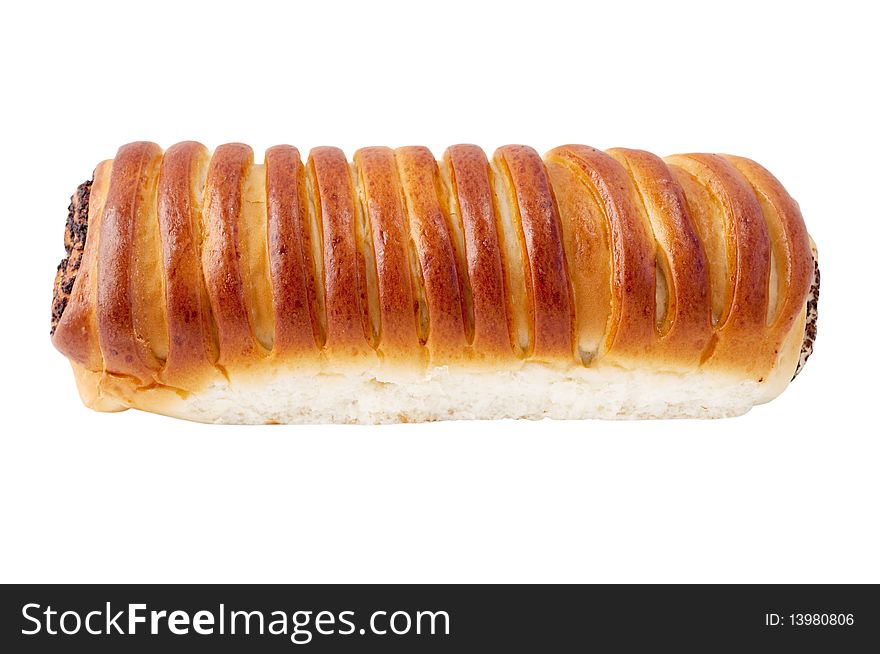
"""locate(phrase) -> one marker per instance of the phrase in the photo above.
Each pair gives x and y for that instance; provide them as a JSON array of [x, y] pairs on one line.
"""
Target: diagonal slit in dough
[[514, 260], [315, 227], [452, 215], [367, 273]]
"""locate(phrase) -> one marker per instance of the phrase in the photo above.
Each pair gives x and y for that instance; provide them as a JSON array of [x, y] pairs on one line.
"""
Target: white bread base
[[533, 393], [274, 394]]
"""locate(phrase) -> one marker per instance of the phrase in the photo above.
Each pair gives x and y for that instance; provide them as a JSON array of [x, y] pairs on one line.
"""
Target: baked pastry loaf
[[397, 288]]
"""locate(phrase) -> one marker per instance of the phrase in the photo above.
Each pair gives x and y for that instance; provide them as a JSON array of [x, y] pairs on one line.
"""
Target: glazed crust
[[200, 267], [191, 346], [347, 327], [741, 331], [402, 315], [473, 200], [683, 318], [222, 255], [433, 258], [122, 310], [631, 331], [292, 266], [550, 320]]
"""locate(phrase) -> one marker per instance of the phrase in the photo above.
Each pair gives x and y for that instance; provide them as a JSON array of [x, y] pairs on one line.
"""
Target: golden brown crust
[[631, 329], [432, 246], [400, 310], [740, 332], [684, 321], [221, 252], [347, 319], [472, 193], [199, 266], [125, 348], [789, 241], [552, 318], [298, 327], [588, 254], [191, 346]]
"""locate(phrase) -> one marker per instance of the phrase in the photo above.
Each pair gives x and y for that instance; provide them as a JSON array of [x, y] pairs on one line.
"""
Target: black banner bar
[[437, 618]]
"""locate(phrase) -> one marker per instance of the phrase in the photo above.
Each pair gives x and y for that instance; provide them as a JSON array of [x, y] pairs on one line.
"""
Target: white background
[[787, 493]]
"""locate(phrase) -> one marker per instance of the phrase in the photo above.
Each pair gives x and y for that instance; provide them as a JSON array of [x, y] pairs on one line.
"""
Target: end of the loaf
[[75, 232], [812, 315], [88, 383]]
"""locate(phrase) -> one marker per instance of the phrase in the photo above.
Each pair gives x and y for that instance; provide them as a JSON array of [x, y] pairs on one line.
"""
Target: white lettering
[[178, 623], [433, 615], [24, 612], [373, 623], [280, 621], [298, 624], [155, 616], [49, 613], [78, 622], [325, 617], [247, 620], [203, 623], [344, 620], [134, 618], [112, 623], [89, 623], [408, 622]]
